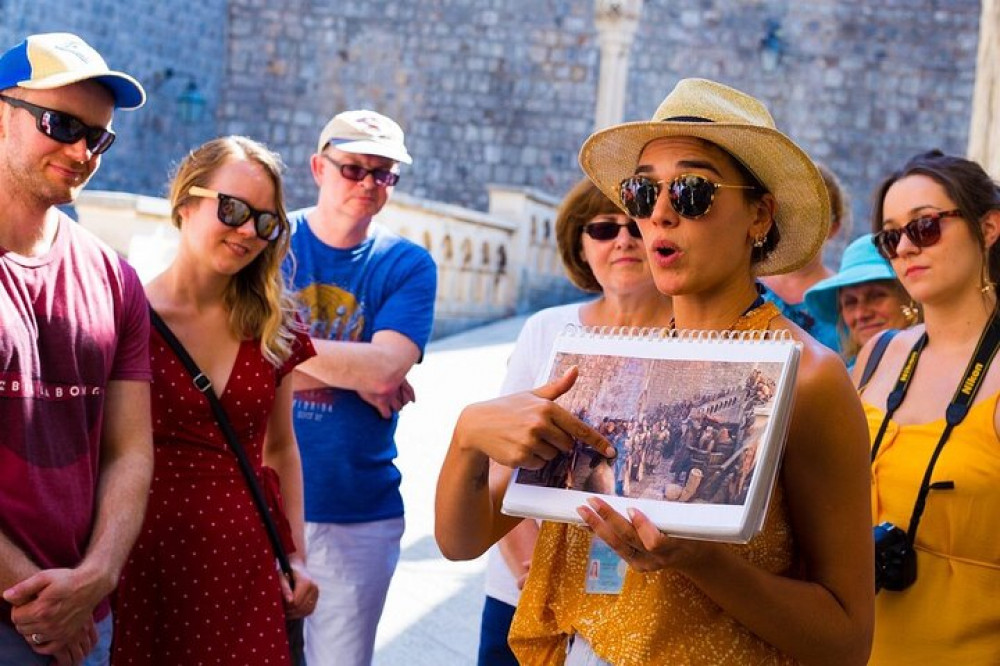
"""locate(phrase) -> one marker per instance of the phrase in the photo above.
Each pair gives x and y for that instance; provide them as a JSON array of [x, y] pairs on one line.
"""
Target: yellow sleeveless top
[[659, 617], [951, 614]]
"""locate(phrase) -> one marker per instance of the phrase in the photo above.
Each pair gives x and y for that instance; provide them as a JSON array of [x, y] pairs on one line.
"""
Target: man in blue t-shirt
[[368, 297]]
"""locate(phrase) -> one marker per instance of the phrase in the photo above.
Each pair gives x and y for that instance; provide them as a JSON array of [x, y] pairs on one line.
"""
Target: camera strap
[[204, 386], [975, 372]]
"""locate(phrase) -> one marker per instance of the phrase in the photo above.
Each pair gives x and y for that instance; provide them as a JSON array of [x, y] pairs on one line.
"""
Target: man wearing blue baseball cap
[[75, 442]]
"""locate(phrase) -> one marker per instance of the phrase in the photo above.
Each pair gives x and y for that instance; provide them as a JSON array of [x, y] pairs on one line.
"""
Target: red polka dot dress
[[201, 584]]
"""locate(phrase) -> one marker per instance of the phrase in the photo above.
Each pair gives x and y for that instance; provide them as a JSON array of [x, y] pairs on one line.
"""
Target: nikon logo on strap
[[911, 363], [970, 381]]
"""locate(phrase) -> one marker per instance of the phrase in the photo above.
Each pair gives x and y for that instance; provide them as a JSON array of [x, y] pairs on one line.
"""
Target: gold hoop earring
[[987, 284]]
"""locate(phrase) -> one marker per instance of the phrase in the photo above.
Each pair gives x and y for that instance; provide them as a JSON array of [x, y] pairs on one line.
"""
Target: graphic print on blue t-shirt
[[332, 313], [348, 295]]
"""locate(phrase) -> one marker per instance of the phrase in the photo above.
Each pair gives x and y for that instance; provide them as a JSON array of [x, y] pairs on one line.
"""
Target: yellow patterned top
[[659, 617]]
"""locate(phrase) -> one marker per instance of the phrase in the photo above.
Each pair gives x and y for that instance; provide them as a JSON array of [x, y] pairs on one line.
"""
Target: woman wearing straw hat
[[721, 197], [602, 253], [862, 299], [938, 222]]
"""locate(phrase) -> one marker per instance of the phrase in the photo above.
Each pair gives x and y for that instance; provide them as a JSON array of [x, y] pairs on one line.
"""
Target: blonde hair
[[256, 299]]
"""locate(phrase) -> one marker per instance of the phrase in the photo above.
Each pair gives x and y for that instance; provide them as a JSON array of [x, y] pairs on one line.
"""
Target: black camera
[[895, 559]]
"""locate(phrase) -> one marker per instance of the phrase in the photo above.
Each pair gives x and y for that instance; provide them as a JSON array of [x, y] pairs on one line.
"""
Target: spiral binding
[[642, 333]]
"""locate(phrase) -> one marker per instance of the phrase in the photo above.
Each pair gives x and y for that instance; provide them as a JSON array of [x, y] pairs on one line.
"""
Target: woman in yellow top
[[937, 220], [721, 196]]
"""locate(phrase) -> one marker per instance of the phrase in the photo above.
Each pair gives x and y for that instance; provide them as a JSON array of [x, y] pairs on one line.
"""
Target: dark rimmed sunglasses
[[63, 127], [608, 229], [357, 173], [691, 195], [923, 231], [234, 212]]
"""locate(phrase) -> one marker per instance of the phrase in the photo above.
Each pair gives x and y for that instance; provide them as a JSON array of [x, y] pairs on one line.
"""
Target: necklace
[[748, 313]]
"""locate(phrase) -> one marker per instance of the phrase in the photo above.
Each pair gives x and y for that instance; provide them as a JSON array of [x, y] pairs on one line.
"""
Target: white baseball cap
[[366, 133]]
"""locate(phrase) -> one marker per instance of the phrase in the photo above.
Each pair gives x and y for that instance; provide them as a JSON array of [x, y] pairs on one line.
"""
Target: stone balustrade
[[490, 265]]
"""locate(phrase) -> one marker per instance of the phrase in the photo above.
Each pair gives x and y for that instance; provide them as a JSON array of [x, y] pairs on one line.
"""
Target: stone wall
[[166, 45], [503, 91], [488, 91], [489, 265], [860, 85]]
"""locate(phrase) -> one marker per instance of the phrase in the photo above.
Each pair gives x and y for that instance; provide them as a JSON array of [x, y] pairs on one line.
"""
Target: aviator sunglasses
[[235, 212], [357, 173], [691, 195], [63, 127], [608, 229], [923, 231]]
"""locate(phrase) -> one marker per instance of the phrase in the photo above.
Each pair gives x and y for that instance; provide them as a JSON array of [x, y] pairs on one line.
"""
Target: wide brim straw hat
[[860, 263], [743, 127]]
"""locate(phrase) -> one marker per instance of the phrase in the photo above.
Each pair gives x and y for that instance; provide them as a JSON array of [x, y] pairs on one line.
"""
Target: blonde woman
[[201, 584]]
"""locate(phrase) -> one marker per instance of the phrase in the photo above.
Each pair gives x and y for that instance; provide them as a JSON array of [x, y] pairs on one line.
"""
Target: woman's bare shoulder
[[827, 418], [893, 355]]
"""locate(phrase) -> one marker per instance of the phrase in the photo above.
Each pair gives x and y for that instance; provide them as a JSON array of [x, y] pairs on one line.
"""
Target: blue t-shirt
[[824, 332], [385, 283]]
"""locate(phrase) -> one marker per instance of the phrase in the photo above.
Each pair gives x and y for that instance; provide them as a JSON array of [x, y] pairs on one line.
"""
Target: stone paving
[[432, 613]]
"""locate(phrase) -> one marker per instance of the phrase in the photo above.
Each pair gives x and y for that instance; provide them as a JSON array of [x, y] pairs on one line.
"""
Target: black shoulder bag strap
[[878, 349], [204, 385], [972, 380]]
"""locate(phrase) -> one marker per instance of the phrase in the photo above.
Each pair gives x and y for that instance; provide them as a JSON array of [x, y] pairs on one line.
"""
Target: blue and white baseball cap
[[57, 59]]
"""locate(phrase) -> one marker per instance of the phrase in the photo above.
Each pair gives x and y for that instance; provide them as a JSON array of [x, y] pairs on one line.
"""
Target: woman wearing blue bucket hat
[[862, 298]]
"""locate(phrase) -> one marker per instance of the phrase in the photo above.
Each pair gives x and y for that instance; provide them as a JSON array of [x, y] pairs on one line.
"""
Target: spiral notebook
[[698, 418]]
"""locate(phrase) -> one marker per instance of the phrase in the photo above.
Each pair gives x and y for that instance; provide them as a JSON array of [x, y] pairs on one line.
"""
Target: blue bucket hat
[[57, 59], [860, 263]]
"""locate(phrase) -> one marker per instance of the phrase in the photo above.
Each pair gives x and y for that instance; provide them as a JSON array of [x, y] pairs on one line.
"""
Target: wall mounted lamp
[[190, 102]]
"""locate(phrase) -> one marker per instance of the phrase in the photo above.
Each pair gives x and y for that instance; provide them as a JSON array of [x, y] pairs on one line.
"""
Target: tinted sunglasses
[[923, 231], [63, 127], [690, 195], [357, 173], [235, 212], [608, 229]]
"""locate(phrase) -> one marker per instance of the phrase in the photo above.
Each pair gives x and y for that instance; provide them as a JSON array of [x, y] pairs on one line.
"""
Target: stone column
[[616, 21], [984, 132]]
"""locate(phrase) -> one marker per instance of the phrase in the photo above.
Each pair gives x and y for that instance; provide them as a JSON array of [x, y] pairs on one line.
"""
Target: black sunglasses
[[63, 127], [357, 173], [608, 230], [691, 195], [235, 212], [923, 231]]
